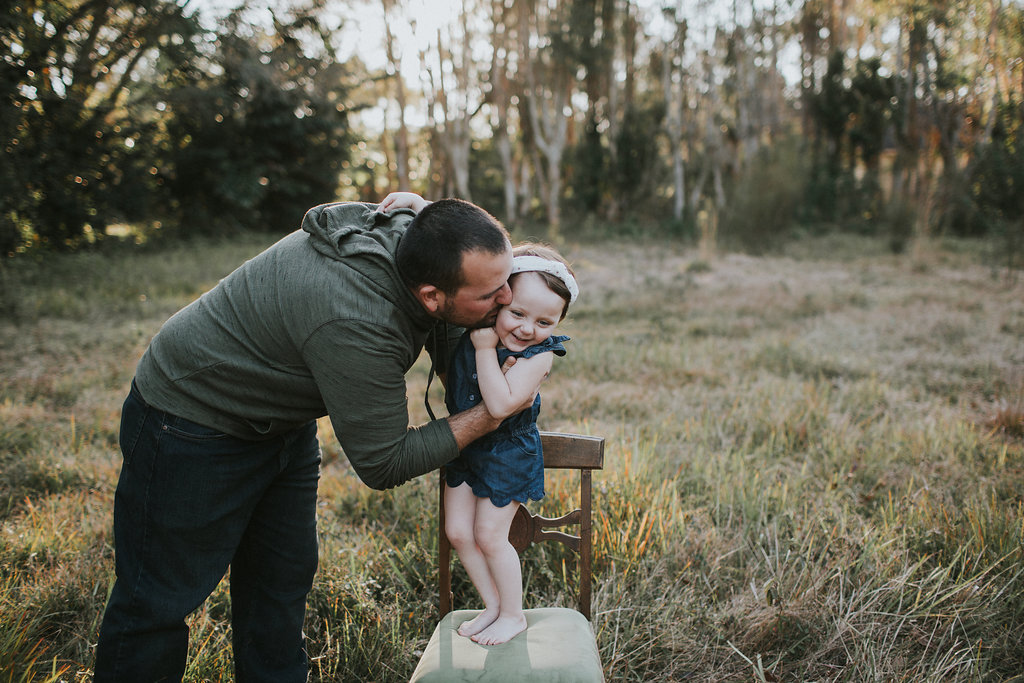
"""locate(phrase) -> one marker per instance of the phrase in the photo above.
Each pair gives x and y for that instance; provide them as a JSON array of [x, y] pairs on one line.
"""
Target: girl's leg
[[459, 519], [491, 531]]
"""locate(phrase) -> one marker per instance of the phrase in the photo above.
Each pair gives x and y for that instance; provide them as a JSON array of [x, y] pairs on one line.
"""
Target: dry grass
[[815, 469]]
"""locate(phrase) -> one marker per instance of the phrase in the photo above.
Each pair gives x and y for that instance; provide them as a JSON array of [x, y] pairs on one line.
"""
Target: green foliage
[[119, 112], [77, 84], [831, 108], [122, 113], [997, 186], [767, 198], [636, 165], [257, 145], [854, 115], [486, 181], [830, 111], [896, 222], [576, 37], [587, 181], [871, 95]]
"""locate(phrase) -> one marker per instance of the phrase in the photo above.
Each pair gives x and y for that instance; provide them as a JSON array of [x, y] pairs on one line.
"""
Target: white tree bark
[[549, 89], [501, 105]]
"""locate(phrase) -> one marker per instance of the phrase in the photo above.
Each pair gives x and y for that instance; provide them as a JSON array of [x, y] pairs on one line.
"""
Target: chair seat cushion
[[557, 646]]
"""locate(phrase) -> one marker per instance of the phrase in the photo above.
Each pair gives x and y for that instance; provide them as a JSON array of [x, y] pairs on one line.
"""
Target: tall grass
[[815, 469]]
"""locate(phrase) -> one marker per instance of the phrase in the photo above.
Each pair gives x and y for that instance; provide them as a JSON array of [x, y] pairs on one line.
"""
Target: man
[[218, 433]]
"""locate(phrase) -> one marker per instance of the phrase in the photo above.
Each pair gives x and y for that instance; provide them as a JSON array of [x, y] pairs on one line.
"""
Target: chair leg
[[586, 531], [444, 556]]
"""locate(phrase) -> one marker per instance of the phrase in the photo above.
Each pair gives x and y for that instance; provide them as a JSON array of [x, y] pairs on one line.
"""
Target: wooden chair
[[558, 644]]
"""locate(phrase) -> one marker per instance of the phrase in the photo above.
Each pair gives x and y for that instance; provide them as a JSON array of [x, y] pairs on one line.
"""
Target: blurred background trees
[[767, 118], [129, 112]]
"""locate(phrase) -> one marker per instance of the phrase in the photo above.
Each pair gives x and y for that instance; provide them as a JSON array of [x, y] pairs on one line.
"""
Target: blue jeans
[[191, 502]]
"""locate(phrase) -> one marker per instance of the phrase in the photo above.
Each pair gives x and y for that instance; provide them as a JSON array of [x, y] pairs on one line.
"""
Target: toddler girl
[[497, 472]]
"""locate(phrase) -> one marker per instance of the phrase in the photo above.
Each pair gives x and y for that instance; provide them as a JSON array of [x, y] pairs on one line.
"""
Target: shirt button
[[474, 375], [472, 397]]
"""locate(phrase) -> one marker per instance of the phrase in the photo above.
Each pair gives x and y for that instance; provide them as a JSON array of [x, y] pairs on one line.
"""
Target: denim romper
[[506, 464]]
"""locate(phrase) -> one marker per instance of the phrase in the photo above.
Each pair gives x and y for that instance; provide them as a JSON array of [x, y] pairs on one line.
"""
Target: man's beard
[[449, 314]]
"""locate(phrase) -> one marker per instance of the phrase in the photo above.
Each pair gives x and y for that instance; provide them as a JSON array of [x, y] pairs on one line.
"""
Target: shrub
[[765, 200]]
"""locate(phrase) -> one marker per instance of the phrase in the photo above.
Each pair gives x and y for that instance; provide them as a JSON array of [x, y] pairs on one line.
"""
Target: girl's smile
[[532, 316]]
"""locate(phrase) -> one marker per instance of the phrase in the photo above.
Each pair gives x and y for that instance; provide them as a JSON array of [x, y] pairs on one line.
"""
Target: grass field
[[814, 468]]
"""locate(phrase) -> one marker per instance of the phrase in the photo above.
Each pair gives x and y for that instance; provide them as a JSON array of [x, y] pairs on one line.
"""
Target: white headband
[[531, 264]]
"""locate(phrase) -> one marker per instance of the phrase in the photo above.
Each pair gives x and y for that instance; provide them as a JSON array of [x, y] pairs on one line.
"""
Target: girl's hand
[[402, 200], [484, 338]]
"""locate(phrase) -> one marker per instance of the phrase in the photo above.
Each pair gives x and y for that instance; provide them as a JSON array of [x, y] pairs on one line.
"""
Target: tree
[[673, 88], [454, 97], [76, 77], [549, 72], [870, 120], [126, 110], [257, 145], [587, 37], [395, 78], [998, 175], [501, 100]]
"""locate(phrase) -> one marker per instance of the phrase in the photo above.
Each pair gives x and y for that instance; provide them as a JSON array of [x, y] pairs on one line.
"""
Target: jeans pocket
[[190, 431], [133, 420]]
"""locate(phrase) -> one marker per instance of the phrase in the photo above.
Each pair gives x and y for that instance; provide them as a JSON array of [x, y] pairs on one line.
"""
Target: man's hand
[[402, 200], [470, 425], [484, 338]]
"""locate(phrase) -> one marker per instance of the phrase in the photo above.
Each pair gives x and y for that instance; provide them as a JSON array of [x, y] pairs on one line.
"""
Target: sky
[[362, 36], [363, 27], [362, 32]]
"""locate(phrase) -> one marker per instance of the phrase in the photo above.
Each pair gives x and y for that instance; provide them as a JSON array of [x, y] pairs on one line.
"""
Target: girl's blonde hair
[[553, 282]]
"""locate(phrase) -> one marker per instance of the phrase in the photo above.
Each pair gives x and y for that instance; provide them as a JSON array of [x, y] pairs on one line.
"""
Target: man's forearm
[[470, 425]]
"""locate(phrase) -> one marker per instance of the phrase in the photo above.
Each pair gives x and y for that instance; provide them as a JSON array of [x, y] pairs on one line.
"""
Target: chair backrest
[[561, 451]]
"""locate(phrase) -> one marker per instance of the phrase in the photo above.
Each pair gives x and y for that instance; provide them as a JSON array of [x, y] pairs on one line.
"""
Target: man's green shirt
[[318, 324]]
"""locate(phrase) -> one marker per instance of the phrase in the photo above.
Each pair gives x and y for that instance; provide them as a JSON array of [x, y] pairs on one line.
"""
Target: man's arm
[[364, 390], [470, 425], [360, 374]]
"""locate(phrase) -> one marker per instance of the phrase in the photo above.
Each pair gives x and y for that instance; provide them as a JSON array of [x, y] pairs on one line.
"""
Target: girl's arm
[[504, 393]]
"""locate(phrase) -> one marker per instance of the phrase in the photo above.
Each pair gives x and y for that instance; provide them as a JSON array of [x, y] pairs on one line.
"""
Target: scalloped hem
[[481, 490]]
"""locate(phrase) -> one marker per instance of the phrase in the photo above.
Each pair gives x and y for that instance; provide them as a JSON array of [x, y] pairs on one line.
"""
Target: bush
[[999, 175], [765, 200]]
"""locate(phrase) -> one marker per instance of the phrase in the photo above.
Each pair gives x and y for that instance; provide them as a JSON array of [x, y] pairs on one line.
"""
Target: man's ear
[[430, 297]]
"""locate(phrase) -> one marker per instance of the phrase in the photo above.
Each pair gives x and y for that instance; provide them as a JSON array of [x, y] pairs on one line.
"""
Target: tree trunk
[[549, 99], [501, 103], [673, 85], [401, 167], [452, 131]]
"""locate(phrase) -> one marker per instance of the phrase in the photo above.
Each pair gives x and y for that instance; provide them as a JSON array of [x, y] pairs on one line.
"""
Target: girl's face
[[532, 316]]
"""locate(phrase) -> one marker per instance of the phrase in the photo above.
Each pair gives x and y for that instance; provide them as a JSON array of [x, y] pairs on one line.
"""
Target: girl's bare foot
[[502, 630], [478, 623]]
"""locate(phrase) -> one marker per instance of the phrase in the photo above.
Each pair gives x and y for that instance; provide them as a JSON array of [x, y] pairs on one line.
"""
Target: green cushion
[[557, 645]]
